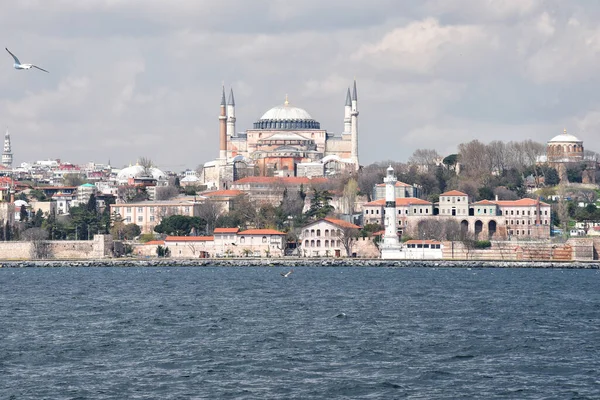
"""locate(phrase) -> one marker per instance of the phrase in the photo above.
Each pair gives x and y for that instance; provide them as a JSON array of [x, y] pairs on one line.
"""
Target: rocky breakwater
[[296, 262]]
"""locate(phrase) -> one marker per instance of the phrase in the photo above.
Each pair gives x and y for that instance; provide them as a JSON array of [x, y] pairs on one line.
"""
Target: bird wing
[[41, 69], [13, 56]]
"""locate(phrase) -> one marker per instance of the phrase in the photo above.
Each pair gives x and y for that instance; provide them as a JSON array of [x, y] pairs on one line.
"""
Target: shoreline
[[296, 262]]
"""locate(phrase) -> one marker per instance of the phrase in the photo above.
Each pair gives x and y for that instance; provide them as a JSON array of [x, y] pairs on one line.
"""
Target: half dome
[[137, 171]]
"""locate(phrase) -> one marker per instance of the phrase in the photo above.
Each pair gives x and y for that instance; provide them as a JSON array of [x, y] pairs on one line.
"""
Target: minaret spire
[[223, 128], [354, 130], [348, 114], [7, 157], [231, 114]]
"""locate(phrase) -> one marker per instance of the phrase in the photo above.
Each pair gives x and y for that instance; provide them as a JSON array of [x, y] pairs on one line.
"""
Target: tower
[[390, 248], [348, 114], [223, 129], [7, 157], [231, 115], [354, 130]]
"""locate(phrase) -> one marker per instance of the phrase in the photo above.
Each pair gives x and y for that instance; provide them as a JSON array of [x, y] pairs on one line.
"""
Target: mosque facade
[[285, 141]]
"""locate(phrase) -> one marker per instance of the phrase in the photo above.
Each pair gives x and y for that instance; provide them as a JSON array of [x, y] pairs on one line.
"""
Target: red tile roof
[[226, 230], [155, 243], [261, 232], [223, 193], [400, 201], [341, 223], [417, 241], [520, 203], [398, 183], [454, 193], [292, 180], [189, 238], [485, 203]]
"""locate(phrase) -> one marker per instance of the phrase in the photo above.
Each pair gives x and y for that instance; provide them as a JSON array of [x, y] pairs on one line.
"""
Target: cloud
[[143, 77]]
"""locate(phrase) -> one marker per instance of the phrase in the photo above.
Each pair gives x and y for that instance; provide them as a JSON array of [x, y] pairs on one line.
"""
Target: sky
[[142, 78]]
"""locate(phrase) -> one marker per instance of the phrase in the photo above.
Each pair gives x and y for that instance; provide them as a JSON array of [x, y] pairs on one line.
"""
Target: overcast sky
[[131, 78]]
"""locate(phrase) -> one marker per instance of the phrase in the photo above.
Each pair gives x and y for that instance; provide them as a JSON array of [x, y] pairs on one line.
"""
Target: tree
[[166, 192], [349, 196], [209, 212], [179, 225], [131, 231], [40, 248], [23, 215], [451, 161], [38, 194], [319, 205], [348, 236], [424, 158], [551, 177], [73, 180]]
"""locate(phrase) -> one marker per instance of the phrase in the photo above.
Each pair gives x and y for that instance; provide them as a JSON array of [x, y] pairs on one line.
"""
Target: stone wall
[[98, 248]]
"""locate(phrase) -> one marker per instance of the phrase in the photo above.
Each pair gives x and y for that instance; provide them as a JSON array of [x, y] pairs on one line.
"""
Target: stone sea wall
[[299, 262]]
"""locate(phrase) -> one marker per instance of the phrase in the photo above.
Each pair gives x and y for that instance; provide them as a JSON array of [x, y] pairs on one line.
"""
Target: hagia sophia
[[286, 141]]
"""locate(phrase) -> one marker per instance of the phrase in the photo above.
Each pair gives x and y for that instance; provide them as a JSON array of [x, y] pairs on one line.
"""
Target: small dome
[[565, 138], [137, 171]]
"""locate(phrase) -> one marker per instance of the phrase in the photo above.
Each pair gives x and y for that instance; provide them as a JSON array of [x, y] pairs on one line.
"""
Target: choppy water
[[322, 333]]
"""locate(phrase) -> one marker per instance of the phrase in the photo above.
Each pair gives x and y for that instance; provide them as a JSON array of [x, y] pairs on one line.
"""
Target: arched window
[[312, 232], [326, 232], [312, 243], [264, 240], [327, 243], [306, 243], [318, 243], [242, 239], [318, 232]]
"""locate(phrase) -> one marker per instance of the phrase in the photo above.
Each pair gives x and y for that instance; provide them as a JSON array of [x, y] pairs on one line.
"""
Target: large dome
[[565, 138], [286, 116], [137, 171]]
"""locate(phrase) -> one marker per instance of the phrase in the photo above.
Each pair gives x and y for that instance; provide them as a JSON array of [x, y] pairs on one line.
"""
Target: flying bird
[[19, 65], [286, 274]]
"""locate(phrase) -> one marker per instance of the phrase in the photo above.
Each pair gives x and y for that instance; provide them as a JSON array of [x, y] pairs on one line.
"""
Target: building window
[[306, 243], [312, 232], [140, 219], [140, 209], [318, 232], [312, 243], [264, 239], [128, 209], [242, 239], [326, 232], [152, 218], [128, 219], [151, 210], [306, 233], [327, 243], [318, 243]]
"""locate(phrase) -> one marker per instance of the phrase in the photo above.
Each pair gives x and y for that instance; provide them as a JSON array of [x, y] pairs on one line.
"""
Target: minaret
[[223, 129], [354, 138], [390, 248], [7, 157], [348, 114], [231, 115]]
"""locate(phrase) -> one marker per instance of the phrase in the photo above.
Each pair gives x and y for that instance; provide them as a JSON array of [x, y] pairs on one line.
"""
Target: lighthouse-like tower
[[7, 156], [390, 248]]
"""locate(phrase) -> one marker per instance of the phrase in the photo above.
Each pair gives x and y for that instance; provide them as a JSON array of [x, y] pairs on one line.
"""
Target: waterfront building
[[327, 237]]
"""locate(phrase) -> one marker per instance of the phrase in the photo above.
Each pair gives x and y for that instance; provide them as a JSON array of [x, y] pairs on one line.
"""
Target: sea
[[320, 333]]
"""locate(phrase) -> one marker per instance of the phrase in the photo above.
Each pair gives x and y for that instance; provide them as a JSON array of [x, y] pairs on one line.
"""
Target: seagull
[[286, 274], [18, 64]]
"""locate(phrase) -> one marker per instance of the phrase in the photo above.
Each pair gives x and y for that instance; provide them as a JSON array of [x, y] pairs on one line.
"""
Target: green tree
[[319, 205], [179, 225], [23, 215]]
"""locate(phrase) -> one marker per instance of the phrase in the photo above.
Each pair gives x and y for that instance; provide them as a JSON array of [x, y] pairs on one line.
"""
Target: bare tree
[[475, 160], [348, 237], [498, 156], [166, 192], [209, 211], [424, 157], [40, 247], [146, 163], [349, 197]]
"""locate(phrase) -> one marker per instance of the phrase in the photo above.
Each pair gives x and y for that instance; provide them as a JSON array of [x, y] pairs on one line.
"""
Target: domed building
[[137, 171], [285, 141], [566, 151]]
